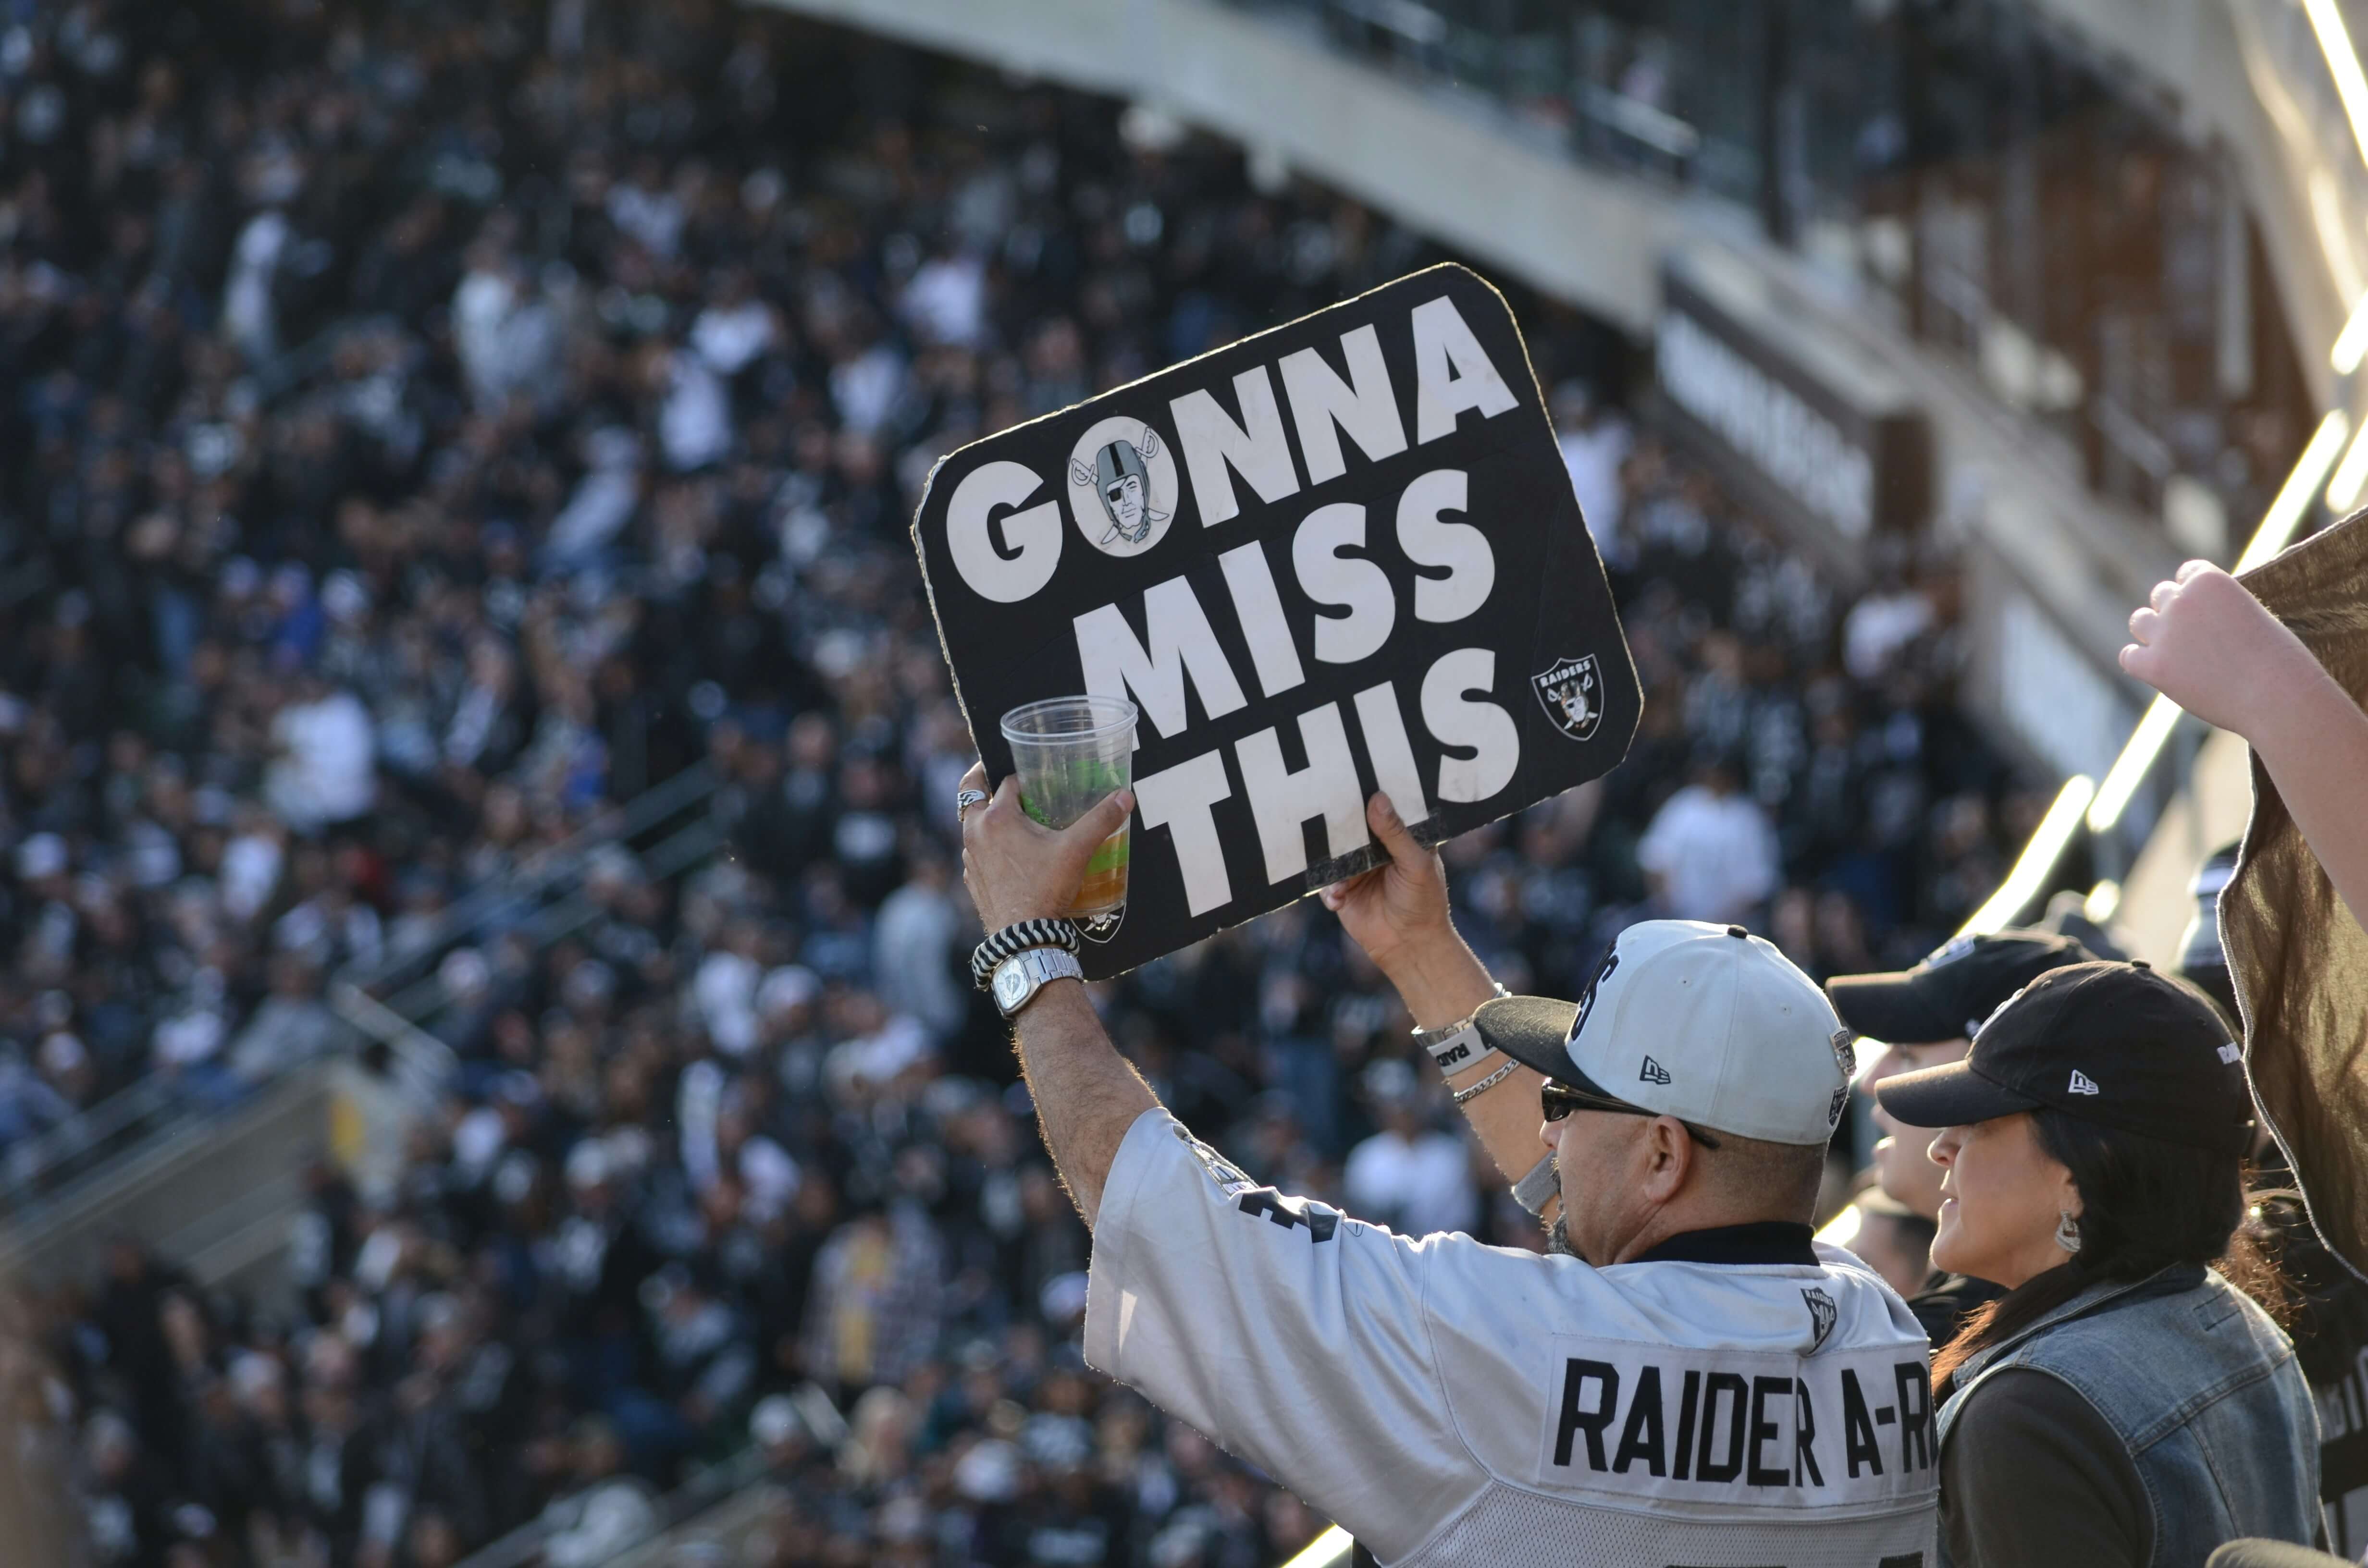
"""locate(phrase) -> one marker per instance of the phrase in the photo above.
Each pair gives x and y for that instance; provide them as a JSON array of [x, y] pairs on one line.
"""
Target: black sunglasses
[[1558, 1100]]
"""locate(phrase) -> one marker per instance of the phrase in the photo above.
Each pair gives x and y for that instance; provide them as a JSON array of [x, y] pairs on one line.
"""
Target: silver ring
[[965, 801]]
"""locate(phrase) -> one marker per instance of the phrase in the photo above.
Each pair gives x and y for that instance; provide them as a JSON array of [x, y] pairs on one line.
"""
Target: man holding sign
[[1692, 1378], [1330, 663]]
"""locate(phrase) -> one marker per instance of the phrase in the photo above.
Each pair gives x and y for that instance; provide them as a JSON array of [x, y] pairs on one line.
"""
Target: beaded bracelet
[[1017, 937]]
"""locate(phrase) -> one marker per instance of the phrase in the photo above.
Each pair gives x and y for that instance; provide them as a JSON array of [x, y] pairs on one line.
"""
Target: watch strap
[[1032, 968], [1015, 937]]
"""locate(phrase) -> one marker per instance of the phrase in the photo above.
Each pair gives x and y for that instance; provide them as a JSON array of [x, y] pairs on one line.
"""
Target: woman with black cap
[[2122, 1402]]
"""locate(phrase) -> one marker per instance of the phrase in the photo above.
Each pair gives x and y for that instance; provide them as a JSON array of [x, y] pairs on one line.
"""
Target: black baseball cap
[[1949, 995], [2113, 1043], [2202, 961]]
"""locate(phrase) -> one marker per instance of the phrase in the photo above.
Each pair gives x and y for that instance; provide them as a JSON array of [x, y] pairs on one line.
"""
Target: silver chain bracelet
[[1490, 1081]]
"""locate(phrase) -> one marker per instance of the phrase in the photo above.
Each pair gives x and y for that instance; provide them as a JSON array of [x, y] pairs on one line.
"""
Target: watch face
[[1010, 985]]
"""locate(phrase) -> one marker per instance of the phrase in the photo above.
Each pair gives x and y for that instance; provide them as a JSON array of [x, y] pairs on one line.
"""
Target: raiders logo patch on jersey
[[1822, 1315]]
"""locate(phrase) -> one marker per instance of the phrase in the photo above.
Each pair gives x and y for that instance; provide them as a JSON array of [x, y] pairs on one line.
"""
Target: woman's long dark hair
[[2146, 1205]]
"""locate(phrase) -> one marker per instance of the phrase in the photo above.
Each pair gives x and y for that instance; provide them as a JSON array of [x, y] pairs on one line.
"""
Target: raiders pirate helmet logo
[[1571, 691], [1121, 487], [1823, 1314]]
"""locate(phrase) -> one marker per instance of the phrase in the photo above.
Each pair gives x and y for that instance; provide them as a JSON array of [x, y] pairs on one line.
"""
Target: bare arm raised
[[2204, 642], [1087, 1095], [1398, 914]]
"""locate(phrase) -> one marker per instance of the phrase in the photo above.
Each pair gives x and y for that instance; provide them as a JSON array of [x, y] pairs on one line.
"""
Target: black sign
[[1336, 557]]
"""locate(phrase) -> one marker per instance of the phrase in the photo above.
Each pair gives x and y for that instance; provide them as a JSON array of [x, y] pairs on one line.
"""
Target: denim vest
[[2206, 1396]]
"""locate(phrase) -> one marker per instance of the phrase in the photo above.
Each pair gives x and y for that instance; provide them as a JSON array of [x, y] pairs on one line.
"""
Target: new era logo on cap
[[1740, 1040], [2159, 1042]]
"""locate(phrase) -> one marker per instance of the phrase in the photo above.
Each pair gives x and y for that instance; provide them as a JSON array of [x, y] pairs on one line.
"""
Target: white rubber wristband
[[1460, 1050]]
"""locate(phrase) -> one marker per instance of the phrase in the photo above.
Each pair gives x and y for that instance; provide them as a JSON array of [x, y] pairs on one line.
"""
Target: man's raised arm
[[1087, 1095], [1398, 914]]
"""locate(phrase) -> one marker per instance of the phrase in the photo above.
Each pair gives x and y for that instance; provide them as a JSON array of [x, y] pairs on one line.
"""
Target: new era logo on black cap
[[2153, 1059]]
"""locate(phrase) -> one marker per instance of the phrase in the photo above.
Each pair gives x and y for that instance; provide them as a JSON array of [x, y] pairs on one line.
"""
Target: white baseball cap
[[1709, 1024]]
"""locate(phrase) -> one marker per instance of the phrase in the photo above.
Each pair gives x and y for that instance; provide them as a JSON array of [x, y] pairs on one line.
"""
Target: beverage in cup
[[1072, 754]]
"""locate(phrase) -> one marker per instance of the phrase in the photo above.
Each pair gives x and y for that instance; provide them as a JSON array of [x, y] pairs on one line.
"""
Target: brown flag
[[2300, 961]]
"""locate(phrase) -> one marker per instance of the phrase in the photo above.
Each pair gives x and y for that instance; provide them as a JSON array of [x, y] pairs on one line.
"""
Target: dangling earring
[[2067, 1229]]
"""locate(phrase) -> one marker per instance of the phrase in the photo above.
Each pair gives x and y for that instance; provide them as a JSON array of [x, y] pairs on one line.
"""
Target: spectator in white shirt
[[1594, 444], [1881, 624], [912, 945], [643, 207], [293, 1026], [946, 301], [694, 412], [609, 1510], [326, 772], [865, 387], [507, 335], [251, 864], [735, 327], [1415, 1179], [1709, 853]]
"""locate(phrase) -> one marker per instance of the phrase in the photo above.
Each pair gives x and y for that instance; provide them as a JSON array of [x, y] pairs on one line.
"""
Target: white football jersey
[[1450, 1402]]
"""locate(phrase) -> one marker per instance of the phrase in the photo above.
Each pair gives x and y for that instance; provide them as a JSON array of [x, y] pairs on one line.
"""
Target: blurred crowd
[[429, 426]]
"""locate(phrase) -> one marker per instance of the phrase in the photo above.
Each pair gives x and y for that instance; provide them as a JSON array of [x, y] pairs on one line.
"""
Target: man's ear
[[1669, 1158]]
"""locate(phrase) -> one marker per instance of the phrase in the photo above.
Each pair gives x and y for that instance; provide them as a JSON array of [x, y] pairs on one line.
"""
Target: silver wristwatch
[[1024, 973]]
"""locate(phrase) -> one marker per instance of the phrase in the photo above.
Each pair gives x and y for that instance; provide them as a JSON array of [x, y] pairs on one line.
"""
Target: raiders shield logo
[[1572, 693], [1823, 1314]]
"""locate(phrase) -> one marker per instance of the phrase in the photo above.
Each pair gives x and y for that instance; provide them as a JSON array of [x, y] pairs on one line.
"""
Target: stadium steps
[[215, 1190], [171, 1193], [708, 1519]]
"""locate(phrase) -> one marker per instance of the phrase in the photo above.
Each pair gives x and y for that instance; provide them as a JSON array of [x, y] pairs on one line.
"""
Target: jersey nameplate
[[1845, 1429]]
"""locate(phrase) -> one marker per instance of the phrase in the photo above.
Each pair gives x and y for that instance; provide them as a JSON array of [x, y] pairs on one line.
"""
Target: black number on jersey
[[1320, 1221]]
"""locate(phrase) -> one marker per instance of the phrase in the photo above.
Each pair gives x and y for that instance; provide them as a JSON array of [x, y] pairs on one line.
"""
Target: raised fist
[[2209, 646]]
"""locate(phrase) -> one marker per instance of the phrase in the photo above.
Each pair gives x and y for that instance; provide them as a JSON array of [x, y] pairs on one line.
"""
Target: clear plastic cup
[[1072, 754]]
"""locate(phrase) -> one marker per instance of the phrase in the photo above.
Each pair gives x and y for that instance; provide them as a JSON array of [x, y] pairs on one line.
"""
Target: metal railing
[[55, 1158], [680, 1507], [539, 897], [2084, 806], [484, 904]]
